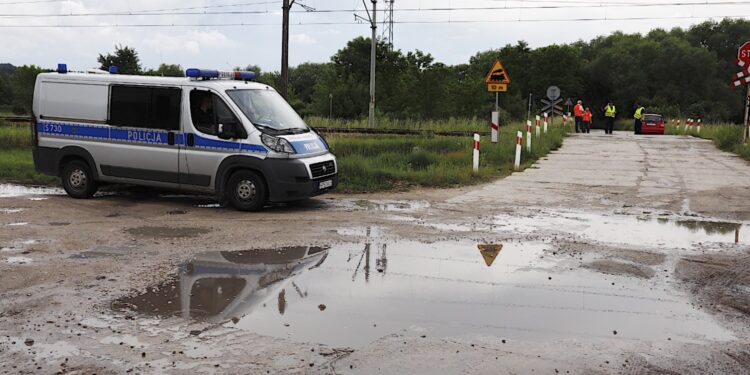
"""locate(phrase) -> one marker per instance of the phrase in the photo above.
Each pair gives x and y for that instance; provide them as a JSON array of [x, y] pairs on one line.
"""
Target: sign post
[[743, 78], [497, 81]]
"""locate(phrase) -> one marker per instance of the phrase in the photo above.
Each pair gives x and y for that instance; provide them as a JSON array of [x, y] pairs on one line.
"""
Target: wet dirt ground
[[615, 254]]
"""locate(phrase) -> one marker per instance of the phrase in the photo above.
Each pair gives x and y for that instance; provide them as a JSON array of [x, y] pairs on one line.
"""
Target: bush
[[419, 159]]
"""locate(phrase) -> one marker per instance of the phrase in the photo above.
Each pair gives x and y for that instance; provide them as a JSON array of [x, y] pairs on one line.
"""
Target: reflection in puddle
[[633, 230], [220, 286], [442, 289], [380, 205]]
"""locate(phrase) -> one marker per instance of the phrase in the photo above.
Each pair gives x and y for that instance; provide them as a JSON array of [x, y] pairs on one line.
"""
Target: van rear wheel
[[246, 191], [77, 180]]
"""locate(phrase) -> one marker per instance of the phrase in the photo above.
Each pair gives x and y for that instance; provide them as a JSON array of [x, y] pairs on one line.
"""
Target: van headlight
[[277, 144]]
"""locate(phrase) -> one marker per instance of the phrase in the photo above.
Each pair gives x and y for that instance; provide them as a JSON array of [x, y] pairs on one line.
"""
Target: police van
[[212, 131]]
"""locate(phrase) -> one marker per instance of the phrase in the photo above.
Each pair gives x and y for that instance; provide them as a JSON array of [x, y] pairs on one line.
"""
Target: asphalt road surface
[[615, 254]]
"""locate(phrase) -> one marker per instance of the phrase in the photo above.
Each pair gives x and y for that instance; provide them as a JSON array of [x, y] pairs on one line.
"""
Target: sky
[[223, 34]]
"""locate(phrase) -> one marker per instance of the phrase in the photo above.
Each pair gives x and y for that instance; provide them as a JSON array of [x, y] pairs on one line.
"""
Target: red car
[[652, 124]]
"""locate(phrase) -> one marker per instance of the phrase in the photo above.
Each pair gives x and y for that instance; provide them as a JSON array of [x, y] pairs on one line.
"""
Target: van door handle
[[170, 138], [190, 139]]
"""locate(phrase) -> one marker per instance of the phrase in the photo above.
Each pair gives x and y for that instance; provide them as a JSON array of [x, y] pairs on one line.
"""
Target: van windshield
[[268, 111]]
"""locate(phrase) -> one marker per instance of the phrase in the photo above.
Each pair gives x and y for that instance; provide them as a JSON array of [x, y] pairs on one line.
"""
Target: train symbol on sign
[[497, 75]]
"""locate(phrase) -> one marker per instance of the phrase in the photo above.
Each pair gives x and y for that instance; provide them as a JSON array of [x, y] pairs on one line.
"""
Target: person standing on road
[[610, 111], [578, 114], [638, 116], [586, 121]]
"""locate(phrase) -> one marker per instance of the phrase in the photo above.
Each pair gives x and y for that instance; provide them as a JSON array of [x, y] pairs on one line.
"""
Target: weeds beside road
[[367, 163]]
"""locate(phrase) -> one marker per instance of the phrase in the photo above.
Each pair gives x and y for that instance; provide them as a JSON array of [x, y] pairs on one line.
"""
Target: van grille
[[323, 169]]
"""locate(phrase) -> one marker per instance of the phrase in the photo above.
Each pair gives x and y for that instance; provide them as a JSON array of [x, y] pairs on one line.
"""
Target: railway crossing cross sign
[[552, 106], [743, 60], [497, 79]]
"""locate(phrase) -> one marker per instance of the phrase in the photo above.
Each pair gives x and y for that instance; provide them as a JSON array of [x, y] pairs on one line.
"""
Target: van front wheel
[[246, 191], [77, 180]]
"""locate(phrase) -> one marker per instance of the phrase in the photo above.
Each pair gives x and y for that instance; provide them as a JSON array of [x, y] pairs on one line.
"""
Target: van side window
[[208, 110], [145, 107]]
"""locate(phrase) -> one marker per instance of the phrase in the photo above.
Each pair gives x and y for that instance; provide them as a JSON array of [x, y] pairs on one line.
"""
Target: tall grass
[[15, 136]]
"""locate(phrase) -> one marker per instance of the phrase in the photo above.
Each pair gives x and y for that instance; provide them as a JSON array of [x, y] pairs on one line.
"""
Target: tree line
[[679, 72]]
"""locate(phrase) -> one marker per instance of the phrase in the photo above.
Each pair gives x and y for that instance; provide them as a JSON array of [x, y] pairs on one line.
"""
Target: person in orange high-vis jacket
[[586, 121], [578, 113]]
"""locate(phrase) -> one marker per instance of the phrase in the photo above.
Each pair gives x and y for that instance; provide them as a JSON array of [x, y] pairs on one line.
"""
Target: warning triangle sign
[[497, 74], [489, 253]]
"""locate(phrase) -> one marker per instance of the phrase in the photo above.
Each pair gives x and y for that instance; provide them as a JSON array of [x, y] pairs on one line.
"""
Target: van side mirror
[[229, 130]]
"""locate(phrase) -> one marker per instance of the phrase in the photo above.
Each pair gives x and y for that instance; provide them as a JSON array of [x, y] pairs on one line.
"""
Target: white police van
[[212, 131]]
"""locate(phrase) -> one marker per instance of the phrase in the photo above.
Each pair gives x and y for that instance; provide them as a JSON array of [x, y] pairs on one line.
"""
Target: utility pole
[[283, 87], [387, 34], [374, 27]]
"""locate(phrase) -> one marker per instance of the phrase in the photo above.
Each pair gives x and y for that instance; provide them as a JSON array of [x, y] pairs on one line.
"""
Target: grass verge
[[375, 163]]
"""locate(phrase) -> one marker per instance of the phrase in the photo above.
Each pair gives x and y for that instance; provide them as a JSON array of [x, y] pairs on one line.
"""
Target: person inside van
[[203, 114]]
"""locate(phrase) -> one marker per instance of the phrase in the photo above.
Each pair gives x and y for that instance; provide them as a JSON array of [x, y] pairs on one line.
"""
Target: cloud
[[191, 43], [302, 39]]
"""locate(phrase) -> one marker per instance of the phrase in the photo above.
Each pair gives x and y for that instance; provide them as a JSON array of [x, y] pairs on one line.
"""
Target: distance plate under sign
[[497, 87]]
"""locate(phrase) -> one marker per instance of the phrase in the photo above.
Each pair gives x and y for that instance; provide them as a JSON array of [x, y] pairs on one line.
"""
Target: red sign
[[743, 54]]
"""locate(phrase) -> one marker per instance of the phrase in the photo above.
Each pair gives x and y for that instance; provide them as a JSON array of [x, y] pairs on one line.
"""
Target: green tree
[[22, 86], [167, 70], [125, 59]]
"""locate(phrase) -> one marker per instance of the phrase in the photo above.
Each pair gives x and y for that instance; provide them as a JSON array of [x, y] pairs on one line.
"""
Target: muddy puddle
[[13, 190], [352, 294], [379, 205], [670, 232]]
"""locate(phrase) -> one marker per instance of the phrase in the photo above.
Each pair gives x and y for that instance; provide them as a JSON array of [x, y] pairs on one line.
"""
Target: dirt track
[[618, 256]]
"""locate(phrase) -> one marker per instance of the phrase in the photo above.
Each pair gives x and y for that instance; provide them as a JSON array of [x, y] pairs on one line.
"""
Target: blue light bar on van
[[225, 74], [113, 70], [62, 68]]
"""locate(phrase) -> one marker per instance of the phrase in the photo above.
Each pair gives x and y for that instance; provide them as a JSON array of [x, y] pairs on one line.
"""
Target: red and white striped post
[[519, 141], [545, 122], [538, 128], [538, 120], [495, 125], [698, 126], [476, 153]]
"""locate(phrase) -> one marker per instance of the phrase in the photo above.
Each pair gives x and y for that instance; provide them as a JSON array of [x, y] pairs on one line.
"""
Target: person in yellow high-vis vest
[[610, 111], [638, 117]]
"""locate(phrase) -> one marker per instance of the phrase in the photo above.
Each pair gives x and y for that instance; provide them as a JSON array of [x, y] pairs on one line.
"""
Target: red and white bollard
[[545, 122], [476, 153], [538, 122], [528, 137], [495, 125], [519, 141], [538, 128], [688, 124], [699, 126]]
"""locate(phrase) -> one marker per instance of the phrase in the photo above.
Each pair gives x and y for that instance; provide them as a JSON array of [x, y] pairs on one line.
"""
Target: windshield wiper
[[268, 128]]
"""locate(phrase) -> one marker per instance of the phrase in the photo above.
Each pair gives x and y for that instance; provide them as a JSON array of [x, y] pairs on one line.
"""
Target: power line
[[168, 12], [413, 22], [33, 2]]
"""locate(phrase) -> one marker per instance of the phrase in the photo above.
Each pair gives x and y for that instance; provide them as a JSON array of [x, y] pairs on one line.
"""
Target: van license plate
[[325, 184]]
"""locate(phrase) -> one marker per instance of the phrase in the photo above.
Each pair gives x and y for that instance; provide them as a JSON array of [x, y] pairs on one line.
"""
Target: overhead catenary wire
[[414, 22]]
